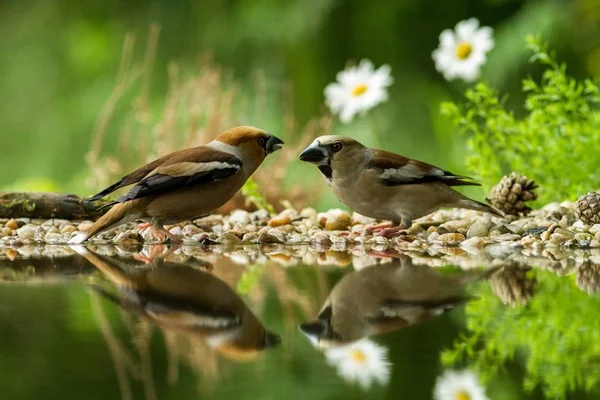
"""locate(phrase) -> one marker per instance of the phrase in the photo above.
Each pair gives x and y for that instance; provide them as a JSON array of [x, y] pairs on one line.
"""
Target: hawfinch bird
[[186, 184], [384, 298], [387, 186], [182, 299]]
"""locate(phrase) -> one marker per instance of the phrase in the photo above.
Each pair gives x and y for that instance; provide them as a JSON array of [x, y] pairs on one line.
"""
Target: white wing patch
[[408, 173], [191, 168]]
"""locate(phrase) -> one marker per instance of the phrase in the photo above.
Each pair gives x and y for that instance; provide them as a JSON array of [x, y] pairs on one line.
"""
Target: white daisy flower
[[462, 52], [458, 385], [364, 362], [358, 89]]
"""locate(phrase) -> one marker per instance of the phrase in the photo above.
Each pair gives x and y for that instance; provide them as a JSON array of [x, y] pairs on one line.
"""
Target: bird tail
[[116, 216], [479, 206]]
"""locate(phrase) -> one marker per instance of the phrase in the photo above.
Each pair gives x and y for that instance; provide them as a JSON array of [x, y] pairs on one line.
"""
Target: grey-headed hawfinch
[[188, 183], [387, 186]]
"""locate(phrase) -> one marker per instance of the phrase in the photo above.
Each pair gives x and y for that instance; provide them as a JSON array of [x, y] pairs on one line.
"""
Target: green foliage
[[253, 196], [249, 279], [557, 333], [554, 142]]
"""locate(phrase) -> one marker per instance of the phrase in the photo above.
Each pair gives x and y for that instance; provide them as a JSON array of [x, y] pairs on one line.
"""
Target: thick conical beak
[[273, 144], [314, 154]]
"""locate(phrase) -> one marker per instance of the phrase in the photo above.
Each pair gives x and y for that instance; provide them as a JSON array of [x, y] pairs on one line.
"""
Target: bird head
[[325, 149], [329, 150], [251, 141]]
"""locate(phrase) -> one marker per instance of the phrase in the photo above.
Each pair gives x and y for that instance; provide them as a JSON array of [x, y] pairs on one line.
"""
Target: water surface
[[294, 322]]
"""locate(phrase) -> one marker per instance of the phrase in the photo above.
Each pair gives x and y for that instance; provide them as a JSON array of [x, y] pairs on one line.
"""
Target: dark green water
[[259, 324]]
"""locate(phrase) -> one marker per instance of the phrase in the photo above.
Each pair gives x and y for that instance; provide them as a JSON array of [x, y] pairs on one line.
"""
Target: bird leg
[[386, 229], [159, 232]]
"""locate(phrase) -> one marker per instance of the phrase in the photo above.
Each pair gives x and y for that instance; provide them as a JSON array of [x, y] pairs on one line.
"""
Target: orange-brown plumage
[[187, 183]]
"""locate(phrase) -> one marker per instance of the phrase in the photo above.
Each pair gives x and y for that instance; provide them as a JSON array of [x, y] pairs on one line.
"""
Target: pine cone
[[588, 208], [512, 285], [588, 277], [511, 194]]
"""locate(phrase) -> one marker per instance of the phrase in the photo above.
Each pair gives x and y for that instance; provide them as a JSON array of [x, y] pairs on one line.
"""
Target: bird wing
[[183, 169], [395, 170]]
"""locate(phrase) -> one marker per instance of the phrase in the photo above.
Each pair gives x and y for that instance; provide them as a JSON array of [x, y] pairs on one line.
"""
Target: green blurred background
[[59, 60]]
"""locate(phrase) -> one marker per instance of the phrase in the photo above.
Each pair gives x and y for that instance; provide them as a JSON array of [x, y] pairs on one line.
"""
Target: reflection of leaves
[[249, 279], [558, 332]]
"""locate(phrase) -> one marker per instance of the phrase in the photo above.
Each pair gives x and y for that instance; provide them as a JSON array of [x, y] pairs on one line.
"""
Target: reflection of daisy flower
[[364, 362], [458, 385], [462, 52], [358, 89]]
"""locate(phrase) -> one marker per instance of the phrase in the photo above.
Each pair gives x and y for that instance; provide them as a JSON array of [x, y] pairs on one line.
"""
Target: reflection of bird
[[188, 183], [384, 185], [180, 298], [384, 298]]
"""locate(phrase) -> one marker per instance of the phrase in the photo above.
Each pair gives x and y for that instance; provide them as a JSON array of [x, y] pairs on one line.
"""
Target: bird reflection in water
[[189, 304], [379, 299]]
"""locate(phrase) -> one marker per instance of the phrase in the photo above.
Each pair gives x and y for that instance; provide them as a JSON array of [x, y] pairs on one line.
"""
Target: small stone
[[12, 224], [507, 237], [538, 230], [6, 232], [452, 239], [474, 242], [239, 217], [85, 225], [278, 234], [564, 232], [338, 220], [53, 237], [128, 237], [477, 229], [280, 220], [361, 219], [415, 229], [433, 236], [26, 232], [251, 237], [267, 238], [308, 213], [321, 238], [190, 230], [595, 229], [557, 238], [545, 236], [67, 229], [228, 237], [454, 226], [594, 243]]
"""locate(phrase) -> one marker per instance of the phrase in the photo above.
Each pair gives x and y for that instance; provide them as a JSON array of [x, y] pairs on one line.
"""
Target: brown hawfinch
[[186, 184], [384, 298], [387, 186], [182, 299]]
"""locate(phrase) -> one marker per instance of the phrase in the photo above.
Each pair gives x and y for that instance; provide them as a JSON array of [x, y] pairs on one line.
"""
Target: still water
[[296, 323]]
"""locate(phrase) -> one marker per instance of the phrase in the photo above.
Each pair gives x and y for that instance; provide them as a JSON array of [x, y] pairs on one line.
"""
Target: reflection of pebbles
[[384, 298], [184, 299]]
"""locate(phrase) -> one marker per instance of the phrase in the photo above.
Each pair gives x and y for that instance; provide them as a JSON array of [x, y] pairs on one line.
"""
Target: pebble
[[12, 225], [477, 229], [26, 232], [267, 238], [451, 239], [474, 242], [228, 237]]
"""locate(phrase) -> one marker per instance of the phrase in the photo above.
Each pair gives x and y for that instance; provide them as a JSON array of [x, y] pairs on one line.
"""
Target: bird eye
[[337, 146], [262, 141]]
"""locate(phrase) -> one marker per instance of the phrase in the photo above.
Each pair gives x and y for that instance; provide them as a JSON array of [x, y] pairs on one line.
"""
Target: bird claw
[[391, 232]]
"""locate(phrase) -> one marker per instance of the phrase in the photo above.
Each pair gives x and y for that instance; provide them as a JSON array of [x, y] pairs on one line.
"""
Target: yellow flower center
[[357, 356], [358, 90], [463, 50], [462, 395]]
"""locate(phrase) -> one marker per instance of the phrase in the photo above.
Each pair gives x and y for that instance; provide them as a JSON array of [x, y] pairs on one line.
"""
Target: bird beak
[[273, 144], [314, 154], [312, 331], [271, 340]]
